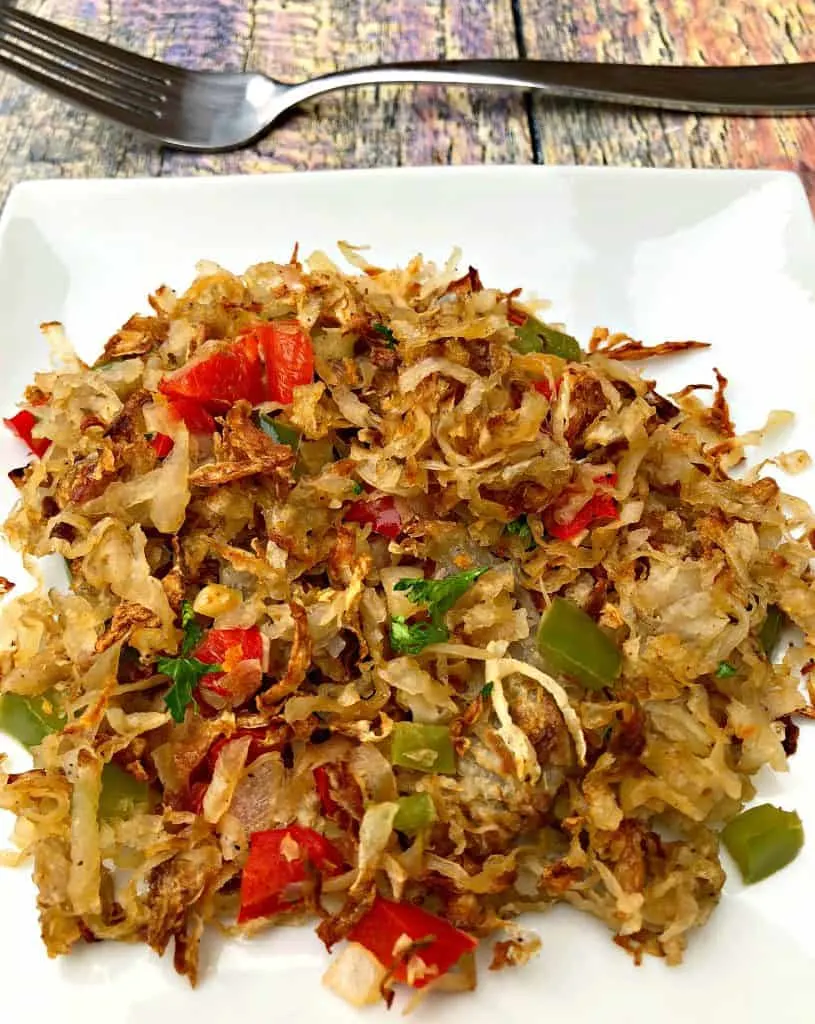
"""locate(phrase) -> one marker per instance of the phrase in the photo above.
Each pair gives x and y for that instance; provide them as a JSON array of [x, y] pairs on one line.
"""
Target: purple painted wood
[[694, 32], [291, 40]]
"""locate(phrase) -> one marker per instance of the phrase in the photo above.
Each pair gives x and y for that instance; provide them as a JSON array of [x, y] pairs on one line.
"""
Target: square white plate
[[727, 257]]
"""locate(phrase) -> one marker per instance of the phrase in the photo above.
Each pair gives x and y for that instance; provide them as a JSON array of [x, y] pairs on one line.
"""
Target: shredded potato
[[304, 608]]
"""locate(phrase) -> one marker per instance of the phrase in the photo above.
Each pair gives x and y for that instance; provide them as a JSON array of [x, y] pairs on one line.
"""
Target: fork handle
[[759, 90]]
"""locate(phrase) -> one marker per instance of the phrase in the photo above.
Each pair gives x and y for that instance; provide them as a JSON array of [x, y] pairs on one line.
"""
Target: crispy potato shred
[[606, 799]]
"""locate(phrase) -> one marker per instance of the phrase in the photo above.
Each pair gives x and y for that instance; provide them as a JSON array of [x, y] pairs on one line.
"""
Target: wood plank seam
[[520, 42]]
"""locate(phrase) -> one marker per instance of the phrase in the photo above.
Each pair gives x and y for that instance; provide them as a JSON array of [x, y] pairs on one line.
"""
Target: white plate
[[727, 257]]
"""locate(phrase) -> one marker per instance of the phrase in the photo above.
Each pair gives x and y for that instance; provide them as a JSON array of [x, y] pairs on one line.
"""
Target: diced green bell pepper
[[762, 840], [424, 748], [29, 719], [572, 643], [771, 630], [416, 812], [122, 794], [536, 336]]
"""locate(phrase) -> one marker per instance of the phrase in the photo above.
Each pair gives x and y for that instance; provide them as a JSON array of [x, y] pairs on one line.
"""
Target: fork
[[206, 111]]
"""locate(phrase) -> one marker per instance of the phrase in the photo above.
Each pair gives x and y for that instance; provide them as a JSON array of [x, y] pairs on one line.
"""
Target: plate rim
[[215, 181]]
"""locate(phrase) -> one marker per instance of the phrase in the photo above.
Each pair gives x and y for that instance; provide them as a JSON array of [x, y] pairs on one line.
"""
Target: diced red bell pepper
[[544, 388], [22, 424], [265, 363], [515, 316], [279, 858], [289, 356], [195, 416], [323, 785], [386, 922], [162, 445], [227, 647], [221, 379], [601, 507], [381, 513]]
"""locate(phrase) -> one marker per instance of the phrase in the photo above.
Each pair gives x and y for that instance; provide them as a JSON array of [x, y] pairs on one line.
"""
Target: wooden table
[[291, 39]]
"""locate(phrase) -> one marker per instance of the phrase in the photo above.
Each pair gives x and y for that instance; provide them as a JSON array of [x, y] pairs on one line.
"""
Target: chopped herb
[[193, 633], [520, 528], [185, 672], [486, 691], [386, 333], [280, 433], [725, 670], [411, 638], [439, 596], [358, 488]]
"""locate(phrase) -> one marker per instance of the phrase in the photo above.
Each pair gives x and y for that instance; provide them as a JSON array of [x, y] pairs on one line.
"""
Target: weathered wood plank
[[691, 31], [290, 39]]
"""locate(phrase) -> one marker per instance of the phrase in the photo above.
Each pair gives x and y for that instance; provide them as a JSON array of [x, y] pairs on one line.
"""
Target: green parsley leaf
[[386, 333], [520, 528], [411, 638], [186, 674], [439, 596], [725, 670], [280, 433], [358, 488], [486, 690], [185, 671], [192, 631]]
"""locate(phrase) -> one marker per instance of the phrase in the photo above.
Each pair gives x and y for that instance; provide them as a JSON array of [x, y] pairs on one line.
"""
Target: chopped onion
[[356, 976], [375, 833], [225, 778], [85, 876]]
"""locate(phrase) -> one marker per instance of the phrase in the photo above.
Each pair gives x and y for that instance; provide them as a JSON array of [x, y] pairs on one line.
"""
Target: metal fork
[[208, 111]]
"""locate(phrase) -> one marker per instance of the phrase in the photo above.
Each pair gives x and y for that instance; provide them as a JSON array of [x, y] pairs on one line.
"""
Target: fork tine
[[115, 57], [54, 50], [122, 94], [55, 81], [106, 84]]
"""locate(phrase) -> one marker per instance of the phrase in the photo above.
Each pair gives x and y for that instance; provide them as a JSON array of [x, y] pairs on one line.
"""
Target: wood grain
[[293, 39], [290, 40], [665, 31]]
